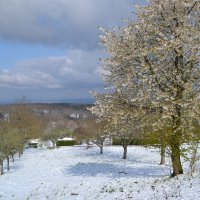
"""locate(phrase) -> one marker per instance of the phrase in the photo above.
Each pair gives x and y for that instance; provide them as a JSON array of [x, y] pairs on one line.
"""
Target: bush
[[65, 143], [32, 145]]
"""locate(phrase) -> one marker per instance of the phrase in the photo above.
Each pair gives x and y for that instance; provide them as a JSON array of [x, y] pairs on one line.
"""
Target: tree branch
[[189, 11]]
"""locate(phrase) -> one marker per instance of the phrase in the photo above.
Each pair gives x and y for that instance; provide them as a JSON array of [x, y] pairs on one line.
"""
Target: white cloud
[[78, 69], [68, 23]]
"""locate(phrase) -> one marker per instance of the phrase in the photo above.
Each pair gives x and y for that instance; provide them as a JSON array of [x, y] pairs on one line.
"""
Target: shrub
[[65, 143], [33, 145]]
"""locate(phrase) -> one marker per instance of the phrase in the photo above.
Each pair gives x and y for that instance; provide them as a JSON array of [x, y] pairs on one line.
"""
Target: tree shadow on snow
[[113, 171], [116, 156]]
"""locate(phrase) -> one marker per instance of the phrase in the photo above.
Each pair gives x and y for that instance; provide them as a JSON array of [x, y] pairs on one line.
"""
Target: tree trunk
[[101, 149], [125, 151], [88, 144], [175, 143], [13, 159], [20, 152], [8, 163], [194, 158], [176, 156], [54, 144], [162, 154], [1, 164]]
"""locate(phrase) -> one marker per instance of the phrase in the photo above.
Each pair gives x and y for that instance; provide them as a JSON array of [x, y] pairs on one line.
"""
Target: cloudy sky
[[49, 48]]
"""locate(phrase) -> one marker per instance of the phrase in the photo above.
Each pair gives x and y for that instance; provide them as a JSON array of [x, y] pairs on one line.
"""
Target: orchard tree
[[167, 40], [123, 123], [82, 132], [98, 133], [55, 130], [156, 59], [26, 123], [9, 141]]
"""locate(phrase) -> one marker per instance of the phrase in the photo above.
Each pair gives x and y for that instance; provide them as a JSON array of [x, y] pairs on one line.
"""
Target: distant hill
[[68, 101], [55, 110]]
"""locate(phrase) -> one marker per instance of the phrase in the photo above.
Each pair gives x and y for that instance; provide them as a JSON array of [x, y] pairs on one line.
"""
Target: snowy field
[[75, 173]]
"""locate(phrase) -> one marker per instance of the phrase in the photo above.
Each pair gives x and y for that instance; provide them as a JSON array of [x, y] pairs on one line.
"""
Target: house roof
[[66, 139]]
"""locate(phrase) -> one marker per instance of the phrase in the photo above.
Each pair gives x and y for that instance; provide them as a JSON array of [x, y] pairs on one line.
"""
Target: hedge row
[[66, 143]]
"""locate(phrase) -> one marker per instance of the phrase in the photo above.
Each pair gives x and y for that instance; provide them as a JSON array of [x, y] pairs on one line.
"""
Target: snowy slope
[[78, 174]]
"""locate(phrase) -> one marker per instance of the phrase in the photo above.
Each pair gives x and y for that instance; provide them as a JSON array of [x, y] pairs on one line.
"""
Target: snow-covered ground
[[75, 173]]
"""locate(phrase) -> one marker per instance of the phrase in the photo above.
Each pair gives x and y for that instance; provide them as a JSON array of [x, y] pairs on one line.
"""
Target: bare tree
[[98, 133], [82, 133], [55, 130]]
